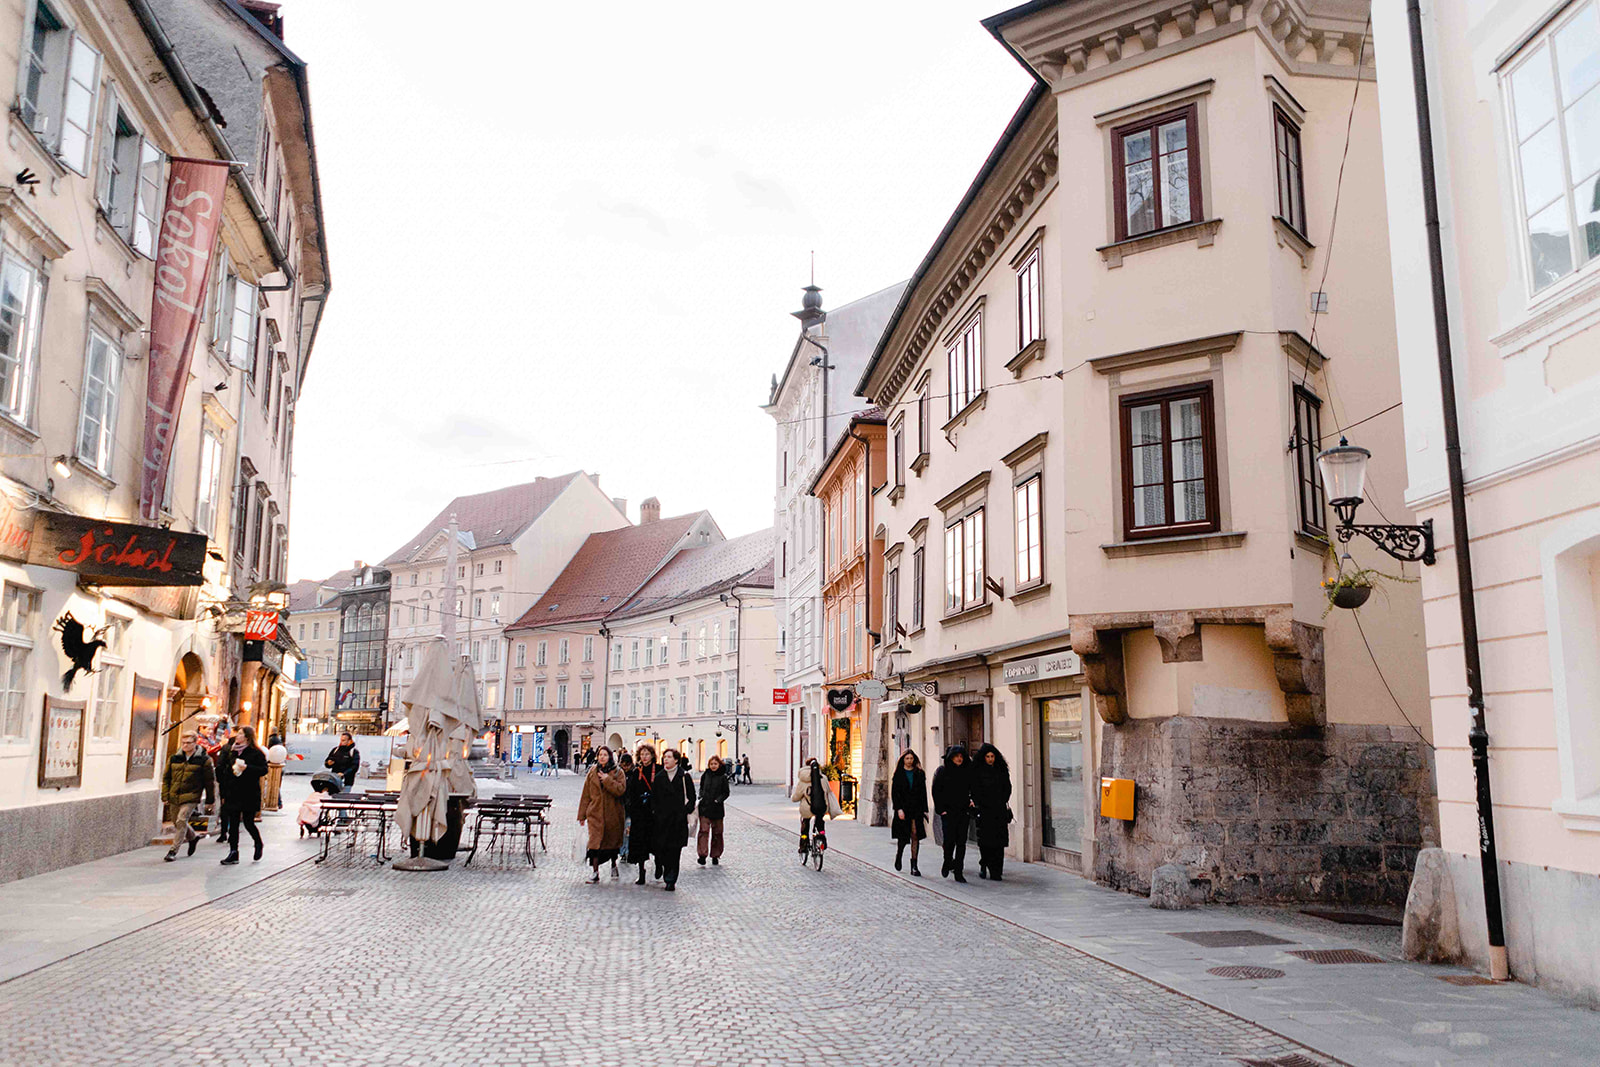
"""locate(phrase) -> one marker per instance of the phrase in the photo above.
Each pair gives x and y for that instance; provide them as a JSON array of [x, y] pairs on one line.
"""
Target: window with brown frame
[[1169, 480], [924, 424], [1291, 182], [1156, 179], [899, 456], [918, 577], [1030, 314], [1308, 479]]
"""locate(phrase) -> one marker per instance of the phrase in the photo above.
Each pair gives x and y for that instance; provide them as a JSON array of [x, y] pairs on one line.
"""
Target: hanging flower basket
[[1351, 588], [1349, 596], [912, 703]]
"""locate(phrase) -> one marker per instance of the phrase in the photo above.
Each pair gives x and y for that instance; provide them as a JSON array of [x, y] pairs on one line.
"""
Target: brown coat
[[601, 807]]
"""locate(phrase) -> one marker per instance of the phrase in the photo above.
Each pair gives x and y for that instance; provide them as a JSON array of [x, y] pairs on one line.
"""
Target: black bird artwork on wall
[[79, 651]]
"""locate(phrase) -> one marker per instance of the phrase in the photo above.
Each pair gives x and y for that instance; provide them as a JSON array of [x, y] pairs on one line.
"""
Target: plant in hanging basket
[[1352, 588], [913, 702]]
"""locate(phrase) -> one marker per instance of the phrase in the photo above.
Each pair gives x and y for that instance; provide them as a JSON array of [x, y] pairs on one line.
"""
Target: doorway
[[1061, 754], [561, 740], [964, 726]]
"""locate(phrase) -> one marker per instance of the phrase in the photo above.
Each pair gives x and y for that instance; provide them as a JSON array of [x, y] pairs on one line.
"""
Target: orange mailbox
[[1116, 798]]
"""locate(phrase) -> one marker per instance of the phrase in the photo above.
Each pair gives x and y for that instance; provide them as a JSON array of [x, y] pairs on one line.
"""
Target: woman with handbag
[[601, 809], [671, 801], [241, 768], [641, 786], [909, 796], [991, 795]]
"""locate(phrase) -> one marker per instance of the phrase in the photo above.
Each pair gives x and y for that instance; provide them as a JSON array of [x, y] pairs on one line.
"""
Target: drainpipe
[[1477, 734], [738, 670]]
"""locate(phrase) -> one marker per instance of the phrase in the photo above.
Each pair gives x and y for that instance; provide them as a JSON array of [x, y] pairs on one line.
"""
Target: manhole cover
[[323, 892], [1467, 979], [1231, 938], [1293, 1059], [1350, 918], [1338, 955], [1245, 972]]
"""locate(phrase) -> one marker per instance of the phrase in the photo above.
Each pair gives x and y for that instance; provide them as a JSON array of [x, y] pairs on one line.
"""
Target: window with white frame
[[102, 378], [964, 361], [242, 326], [661, 699], [588, 650], [522, 653], [683, 645], [494, 605], [683, 696], [648, 694], [1030, 533], [106, 696], [56, 97], [516, 697], [499, 565], [19, 624], [891, 606], [616, 703], [21, 297], [561, 695], [563, 651], [650, 652], [209, 492], [633, 702], [716, 693], [1030, 306], [963, 563], [662, 656], [633, 653], [477, 607], [538, 698], [588, 693], [128, 178], [700, 695], [716, 638], [616, 655], [540, 657], [491, 694], [494, 649], [477, 652], [733, 633], [700, 642], [1554, 91]]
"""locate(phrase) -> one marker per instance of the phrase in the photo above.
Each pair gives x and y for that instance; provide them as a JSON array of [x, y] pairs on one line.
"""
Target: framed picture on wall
[[144, 726], [61, 744]]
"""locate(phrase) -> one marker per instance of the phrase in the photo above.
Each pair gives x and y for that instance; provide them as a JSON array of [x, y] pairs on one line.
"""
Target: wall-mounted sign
[[761, 727], [116, 553], [143, 728], [780, 696], [841, 699], [260, 625], [61, 744], [638, 731], [265, 653], [1038, 668], [16, 529], [871, 689]]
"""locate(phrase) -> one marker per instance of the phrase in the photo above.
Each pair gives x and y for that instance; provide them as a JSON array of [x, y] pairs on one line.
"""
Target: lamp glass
[[1344, 473]]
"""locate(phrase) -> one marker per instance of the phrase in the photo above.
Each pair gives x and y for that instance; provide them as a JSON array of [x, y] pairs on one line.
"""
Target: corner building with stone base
[[1114, 370]]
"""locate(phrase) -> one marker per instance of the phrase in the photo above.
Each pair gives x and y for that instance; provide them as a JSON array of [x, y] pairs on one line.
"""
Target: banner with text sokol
[[183, 263]]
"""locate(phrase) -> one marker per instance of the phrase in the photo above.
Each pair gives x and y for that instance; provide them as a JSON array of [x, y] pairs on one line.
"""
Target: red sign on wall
[[261, 625], [780, 696]]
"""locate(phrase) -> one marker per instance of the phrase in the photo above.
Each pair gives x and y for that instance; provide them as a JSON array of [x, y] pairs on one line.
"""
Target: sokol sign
[[183, 262]]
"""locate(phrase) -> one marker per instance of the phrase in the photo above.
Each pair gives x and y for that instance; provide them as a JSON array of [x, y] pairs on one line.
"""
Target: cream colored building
[[694, 659], [1512, 86], [1109, 561], [314, 619]]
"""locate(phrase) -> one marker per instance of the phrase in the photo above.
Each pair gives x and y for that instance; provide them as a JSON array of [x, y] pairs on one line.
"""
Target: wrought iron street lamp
[[1344, 478]]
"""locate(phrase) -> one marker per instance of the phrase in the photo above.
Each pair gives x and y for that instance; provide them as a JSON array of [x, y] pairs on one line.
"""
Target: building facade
[[360, 700], [811, 403], [857, 743], [1511, 87], [314, 617], [1117, 562], [103, 99]]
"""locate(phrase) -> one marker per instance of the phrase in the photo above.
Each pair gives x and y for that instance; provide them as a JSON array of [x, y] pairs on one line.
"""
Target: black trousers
[[955, 841], [232, 819], [668, 859], [805, 826]]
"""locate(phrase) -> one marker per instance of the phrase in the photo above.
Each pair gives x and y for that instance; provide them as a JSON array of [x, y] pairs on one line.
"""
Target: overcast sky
[[570, 235]]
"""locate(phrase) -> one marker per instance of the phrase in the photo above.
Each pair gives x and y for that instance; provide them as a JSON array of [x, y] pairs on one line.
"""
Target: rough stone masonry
[[1269, 812]]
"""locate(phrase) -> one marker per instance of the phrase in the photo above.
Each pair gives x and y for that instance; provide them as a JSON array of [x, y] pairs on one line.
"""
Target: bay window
[[1169, 463], [1156, 180]]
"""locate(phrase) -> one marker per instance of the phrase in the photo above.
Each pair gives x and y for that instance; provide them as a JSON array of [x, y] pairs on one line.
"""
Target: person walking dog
[[713, 807], [187, 780], [602, 810], [909, 796]]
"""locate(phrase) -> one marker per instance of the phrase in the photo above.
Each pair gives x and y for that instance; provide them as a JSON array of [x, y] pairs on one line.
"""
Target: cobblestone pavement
[[756, 962]]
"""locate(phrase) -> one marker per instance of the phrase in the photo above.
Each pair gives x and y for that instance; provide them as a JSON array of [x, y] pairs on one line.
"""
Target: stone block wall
[[44, 837], [1267, 811]]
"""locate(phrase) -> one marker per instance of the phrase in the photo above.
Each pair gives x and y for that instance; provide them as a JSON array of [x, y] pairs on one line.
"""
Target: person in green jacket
[[188, 779]]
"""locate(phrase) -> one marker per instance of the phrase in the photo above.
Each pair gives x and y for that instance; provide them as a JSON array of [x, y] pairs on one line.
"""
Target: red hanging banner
[[183, 263]]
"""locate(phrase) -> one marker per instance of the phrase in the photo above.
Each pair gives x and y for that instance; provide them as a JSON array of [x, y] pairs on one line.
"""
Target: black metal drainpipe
[[1478, 734]]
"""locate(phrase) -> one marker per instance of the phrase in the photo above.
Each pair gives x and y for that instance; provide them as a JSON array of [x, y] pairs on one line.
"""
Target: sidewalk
[[46, 918], [1371, 1013]]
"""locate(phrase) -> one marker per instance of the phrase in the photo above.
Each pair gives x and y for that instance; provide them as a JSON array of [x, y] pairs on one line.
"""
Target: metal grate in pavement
[[1293, 1059], [1338, 955], [1467, 979], [1231, 938], [1350, 918], [1245, 972]]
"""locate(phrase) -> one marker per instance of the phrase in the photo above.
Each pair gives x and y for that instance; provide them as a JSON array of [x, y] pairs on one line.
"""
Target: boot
[[193, 841], [231, 858], [172, 854], [916, 873], [713, 861], [701, 861], [961, 878], [641, 875], [805, 843], [898, 852], [257, 856]]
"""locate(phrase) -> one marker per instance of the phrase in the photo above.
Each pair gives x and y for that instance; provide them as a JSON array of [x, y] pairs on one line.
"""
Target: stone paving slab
[[1395, 1012], [756, 961]]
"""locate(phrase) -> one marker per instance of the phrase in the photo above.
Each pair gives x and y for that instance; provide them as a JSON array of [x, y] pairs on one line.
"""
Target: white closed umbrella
[[443, 714]]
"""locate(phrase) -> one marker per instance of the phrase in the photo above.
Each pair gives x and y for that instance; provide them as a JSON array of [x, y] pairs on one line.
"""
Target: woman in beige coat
[[600, 808], [816, 801]]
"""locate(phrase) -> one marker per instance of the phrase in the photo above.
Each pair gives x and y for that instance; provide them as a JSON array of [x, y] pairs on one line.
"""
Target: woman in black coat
[[991, 795], [641, 786], [239, 774], [671, 801], [713, 808], [952, 802], [909, 795]]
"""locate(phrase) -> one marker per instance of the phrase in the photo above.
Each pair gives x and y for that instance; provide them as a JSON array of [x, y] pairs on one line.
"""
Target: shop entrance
[[560, 741], [1061, 771], [964, 726]]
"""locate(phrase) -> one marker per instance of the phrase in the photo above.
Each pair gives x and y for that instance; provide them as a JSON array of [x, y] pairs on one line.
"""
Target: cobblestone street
[[759, 961]]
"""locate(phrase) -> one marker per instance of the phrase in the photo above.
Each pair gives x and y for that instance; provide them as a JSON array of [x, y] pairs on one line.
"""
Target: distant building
[[360, 699], [314, 619]]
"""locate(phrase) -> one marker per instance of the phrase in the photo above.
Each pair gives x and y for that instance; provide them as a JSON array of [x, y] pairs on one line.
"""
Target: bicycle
[[816, 848]]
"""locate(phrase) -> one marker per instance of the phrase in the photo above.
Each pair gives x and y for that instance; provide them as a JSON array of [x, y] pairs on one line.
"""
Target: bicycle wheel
[[816, 856]]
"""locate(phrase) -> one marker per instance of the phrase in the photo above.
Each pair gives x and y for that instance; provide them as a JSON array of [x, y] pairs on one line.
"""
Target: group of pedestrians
[[637, 810], [963, 793], [193, 776]]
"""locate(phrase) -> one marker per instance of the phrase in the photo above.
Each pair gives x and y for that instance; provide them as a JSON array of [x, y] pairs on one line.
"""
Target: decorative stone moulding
[[1296, 648]]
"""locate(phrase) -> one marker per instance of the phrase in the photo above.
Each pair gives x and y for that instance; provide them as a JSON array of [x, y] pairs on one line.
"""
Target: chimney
[[649, 511], [621, 504], [358, 566]]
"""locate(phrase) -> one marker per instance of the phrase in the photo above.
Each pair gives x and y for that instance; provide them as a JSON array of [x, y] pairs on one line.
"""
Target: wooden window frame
[[919, 581], [1032, 265], [1281, 120], [1191, 114], [957, 563], [1165, 397], [1313, 512]]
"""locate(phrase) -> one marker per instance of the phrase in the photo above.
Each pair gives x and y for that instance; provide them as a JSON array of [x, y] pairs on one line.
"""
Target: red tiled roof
[[699, 572], [606, 570], [303, 594], [493, 518]]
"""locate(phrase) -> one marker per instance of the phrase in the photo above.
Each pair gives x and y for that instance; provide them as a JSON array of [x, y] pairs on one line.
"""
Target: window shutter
[[147, 198], [108, 149], [77, 115]]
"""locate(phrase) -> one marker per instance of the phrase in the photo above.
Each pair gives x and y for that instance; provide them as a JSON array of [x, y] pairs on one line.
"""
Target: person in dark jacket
[[952, 802], [713, 799], [671, 801], [641, 786], [188, 779], [908, 794], [239, 781], [991, 795], [344, 759]]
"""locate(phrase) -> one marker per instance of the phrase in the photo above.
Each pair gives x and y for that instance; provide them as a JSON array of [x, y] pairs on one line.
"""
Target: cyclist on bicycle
[[816, 801]]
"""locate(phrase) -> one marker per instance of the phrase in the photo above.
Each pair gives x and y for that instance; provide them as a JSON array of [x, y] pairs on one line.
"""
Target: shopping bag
[[627, 831], [938, 829], [580, 843]]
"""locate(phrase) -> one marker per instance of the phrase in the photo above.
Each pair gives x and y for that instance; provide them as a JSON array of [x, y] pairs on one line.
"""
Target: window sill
[[1582, 815], [978, 612], [1158, 546], [1201, 233], [20, 128], [1316, 542], [104, 230], [977, 403], [1032, 592], [898, 491], [920, 464], [11, 425], [1293, 240], [1032, 351], [918, 632], [79, 466]]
